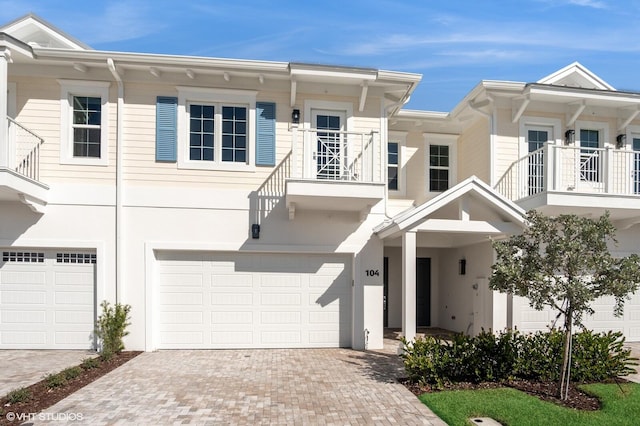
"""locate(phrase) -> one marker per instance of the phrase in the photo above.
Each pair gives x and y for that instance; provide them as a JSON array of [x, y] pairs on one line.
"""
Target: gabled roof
[[37, 32], [413, 217], [576, 75]]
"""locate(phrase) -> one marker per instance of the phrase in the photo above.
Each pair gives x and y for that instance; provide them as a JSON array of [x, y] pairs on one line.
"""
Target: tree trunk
[[564, 376]]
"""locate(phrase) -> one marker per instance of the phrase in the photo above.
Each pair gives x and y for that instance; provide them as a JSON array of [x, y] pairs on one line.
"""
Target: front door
[[385, 283], [330, 148], [423, 292], [590, 156], [536, 138], [636, 165]]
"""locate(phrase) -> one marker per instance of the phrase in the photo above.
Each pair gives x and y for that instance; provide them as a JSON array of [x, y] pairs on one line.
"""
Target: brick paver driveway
[[19, 368], [280, 386]]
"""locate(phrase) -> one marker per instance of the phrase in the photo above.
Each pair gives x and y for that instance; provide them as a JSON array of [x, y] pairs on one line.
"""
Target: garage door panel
[[73, 317], [277, 299], [23, 276], [278, 280], [224, 339], [32, 339], [225, 318], [281, 318], [256, 300], [22, 317], [231, 280], [22, 297], [284, 337]]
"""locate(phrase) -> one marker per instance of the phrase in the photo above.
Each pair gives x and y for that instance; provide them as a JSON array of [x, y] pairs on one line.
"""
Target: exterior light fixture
[[569, 136], [621, 139], [295, 116], [462, 266], [255, 231]]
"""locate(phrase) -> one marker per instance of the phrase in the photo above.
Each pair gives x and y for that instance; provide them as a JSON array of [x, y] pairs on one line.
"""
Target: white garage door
[[46, 299], [528, 319], [232, 300]]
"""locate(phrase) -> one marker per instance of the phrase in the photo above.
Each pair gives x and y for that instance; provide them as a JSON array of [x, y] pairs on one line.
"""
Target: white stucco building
[[251, 204]]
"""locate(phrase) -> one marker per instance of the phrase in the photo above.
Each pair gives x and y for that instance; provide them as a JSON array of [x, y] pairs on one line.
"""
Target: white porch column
[[409, 285], [5, 160]]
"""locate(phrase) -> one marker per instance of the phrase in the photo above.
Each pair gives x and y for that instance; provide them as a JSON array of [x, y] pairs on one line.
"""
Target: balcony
[[20, 168], [334, 170], [578, 179]]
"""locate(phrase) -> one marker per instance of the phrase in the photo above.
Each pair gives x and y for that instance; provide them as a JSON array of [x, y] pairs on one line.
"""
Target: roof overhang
[[421, 218]]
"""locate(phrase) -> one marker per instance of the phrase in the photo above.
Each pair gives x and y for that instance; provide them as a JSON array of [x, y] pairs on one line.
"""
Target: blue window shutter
[[166, 128], [266, 134]]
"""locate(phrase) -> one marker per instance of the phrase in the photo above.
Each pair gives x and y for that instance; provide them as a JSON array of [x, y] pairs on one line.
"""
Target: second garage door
[[233, 300], [528, 319]]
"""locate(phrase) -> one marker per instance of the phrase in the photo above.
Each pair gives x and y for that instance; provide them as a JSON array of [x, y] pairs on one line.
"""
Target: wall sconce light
[[295, 116], [462, 266], [255, 231], [621, 139], [569, 136]]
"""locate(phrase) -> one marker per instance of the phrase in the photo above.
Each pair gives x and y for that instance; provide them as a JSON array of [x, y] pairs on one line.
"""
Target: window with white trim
[[216, 128], [439, 165], [84, 125], [440, 160], [393, 156]]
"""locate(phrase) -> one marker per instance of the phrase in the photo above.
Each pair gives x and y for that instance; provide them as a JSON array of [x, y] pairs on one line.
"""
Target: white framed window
[[441, 161], [216, 128], [396, 159], [84, 126]]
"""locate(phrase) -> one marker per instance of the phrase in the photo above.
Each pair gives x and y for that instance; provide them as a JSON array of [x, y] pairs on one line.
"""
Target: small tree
[[564, 263], [111, 328]]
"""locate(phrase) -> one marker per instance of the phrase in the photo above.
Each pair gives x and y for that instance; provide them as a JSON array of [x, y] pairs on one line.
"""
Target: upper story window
[[440, 162], [439, 166], [84, 126], [392, 165], [216, 128], [87, 123]]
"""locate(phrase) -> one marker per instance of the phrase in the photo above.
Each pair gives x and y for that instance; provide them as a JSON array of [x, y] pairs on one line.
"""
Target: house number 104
[[372, 272]]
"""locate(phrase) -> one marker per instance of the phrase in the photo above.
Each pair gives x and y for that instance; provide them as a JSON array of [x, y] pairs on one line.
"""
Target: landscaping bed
[[55, 387]]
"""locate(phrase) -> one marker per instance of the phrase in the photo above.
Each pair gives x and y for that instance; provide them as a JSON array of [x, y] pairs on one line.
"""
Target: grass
[[513, 407]]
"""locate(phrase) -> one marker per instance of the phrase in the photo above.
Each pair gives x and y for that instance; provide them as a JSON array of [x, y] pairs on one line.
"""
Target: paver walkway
[[635, 352], [279, 386], [19, 368]]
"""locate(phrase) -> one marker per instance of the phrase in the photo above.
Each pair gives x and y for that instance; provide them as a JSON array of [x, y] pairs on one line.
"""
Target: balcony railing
[[327, 155], [27, 149], [572, 169]]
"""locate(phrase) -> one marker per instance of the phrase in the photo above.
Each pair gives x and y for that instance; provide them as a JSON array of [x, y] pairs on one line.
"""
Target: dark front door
[[385, 282], [423, 292]]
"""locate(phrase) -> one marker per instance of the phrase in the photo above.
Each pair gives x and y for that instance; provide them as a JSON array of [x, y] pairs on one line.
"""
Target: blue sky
[[454, 44]]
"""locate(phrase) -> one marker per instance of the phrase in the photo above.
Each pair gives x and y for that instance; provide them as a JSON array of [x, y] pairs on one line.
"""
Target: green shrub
[[18, 395], [55, 380], [111, 328], [540, 356], [597, 357], [71, 373], [89, 363], [509, 355]]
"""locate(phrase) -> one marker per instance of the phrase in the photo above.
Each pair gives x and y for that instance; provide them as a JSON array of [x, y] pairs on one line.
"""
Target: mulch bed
[[42, 397], [545, 391]]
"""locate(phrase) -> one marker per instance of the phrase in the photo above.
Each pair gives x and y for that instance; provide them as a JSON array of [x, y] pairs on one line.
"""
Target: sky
[[454, 44]]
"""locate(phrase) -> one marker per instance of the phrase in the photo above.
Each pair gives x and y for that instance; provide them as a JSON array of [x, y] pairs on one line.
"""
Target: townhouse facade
[[253, 204]]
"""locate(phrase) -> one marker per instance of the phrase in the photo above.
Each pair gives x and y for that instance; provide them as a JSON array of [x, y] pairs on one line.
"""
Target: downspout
[[383, 149], [119, 179], [492, 124]]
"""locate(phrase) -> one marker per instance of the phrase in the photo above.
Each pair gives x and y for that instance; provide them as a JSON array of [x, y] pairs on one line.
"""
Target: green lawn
[[512, 407]]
